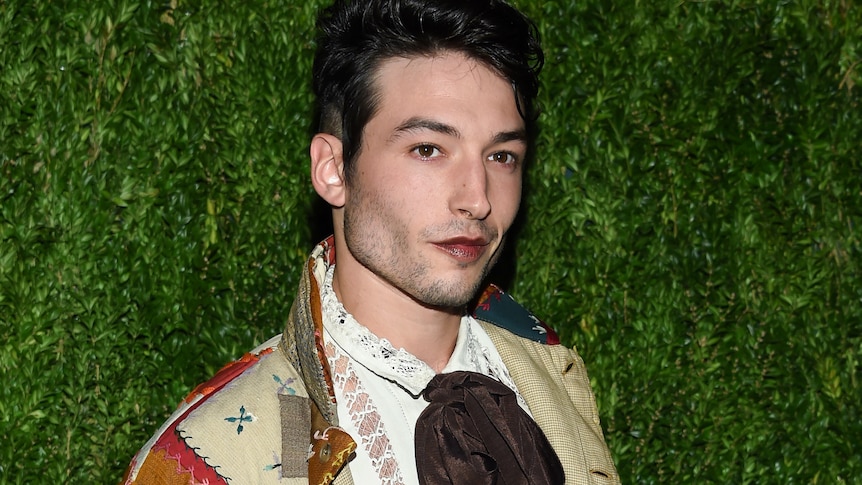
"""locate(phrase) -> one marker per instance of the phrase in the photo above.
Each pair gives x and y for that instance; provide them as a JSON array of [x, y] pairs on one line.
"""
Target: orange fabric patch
[[329, 455], [162, 469]]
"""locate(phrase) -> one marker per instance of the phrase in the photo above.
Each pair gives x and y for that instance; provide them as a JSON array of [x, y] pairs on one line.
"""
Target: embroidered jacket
[[270, 417]]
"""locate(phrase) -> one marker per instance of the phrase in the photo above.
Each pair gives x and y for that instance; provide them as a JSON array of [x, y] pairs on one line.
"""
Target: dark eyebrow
[[416, 124], [506, 136]]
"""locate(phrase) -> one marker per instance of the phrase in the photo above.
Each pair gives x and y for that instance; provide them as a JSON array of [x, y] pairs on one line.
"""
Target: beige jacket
[[271, 417]]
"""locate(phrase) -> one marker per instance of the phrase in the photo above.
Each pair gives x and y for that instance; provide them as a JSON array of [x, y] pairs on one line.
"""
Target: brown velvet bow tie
[[474, 432]]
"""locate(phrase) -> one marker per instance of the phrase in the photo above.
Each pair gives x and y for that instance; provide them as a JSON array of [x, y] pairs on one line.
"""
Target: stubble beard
[[380, 243]]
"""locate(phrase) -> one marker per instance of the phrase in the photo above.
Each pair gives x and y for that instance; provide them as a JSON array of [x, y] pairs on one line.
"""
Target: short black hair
[[356, 36]]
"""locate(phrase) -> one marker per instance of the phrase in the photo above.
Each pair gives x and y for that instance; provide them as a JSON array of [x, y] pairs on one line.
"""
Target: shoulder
[[553, 381], [501, 310], [228, 427]]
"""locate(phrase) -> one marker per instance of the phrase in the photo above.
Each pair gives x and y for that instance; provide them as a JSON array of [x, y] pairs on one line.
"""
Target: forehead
[[450, 87]]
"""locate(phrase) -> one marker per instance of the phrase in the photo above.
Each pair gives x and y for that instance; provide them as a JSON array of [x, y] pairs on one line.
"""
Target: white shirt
[[378, 388]]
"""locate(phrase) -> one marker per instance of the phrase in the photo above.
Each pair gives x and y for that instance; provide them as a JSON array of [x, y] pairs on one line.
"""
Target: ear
[[327, 168]]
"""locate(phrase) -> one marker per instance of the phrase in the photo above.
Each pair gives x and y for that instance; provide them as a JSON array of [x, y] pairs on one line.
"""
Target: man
[[382, 374]]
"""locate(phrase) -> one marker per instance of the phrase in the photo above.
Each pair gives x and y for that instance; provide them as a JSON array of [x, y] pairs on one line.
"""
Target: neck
[[429, 333]]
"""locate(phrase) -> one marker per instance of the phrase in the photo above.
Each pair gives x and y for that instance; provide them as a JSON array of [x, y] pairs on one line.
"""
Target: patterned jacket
[[270, 417]]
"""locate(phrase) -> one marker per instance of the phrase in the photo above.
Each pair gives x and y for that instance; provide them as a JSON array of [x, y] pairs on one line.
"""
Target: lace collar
[[398, 365]]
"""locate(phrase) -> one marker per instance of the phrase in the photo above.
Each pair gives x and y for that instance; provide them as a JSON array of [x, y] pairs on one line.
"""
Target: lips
[[463, 249]]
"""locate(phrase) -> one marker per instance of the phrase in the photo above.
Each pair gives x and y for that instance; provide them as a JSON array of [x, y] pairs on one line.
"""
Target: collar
[[380, 357]]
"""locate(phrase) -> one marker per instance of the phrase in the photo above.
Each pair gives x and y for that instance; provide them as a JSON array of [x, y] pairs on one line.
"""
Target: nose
[[470, 195]]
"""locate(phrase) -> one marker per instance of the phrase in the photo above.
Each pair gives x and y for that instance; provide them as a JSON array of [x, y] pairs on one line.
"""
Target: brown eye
[[426, 151], [504, 158]]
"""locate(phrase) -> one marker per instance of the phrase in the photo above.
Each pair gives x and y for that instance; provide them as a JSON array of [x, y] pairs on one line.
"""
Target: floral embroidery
[[284, 386], [242, 418], [276, 464]]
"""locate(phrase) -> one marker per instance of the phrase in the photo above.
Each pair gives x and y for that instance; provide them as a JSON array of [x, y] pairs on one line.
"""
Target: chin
[[447, 294]]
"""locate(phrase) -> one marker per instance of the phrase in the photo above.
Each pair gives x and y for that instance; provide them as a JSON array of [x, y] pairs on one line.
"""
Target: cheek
[[396, 200], [506, 199]]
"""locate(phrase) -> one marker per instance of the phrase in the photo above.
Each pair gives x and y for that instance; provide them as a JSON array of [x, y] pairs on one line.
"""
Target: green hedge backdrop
[[692, 223]]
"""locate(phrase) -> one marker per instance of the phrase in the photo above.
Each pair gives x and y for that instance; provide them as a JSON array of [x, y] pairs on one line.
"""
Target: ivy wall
[[692, 223]]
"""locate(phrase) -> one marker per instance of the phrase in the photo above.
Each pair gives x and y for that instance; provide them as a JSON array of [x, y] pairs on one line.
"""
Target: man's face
[[437, 182]]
